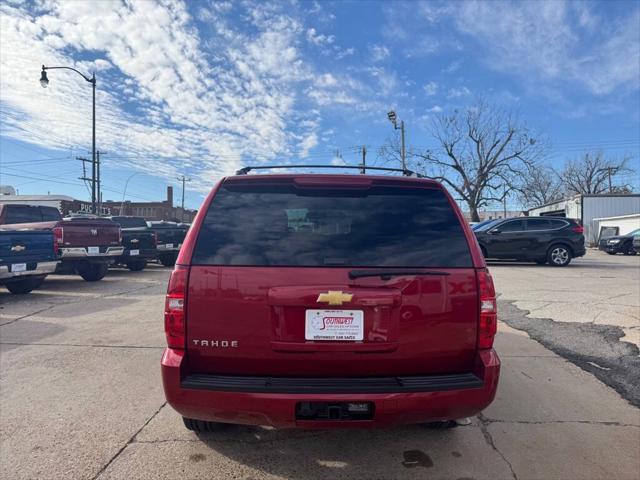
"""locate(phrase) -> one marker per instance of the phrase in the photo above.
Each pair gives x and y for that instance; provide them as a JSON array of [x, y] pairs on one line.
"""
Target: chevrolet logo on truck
[[333, 297]]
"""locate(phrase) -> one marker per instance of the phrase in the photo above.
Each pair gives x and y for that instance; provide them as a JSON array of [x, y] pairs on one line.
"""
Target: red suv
[[320, 301]]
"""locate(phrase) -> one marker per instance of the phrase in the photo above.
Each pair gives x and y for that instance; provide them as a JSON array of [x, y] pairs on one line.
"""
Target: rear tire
[[630, 250], [168, 260], [202, 426], [93, 272], [136, 265], [612, 253], [559, 255], [24, 286]]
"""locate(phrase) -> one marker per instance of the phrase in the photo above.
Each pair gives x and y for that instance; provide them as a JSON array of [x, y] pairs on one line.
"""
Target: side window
[[538, 224], [557, 224], [22, 214], [50, 214], [512, 226]]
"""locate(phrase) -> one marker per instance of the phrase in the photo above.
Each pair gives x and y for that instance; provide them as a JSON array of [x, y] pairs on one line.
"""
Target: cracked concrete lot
[[81, 397]]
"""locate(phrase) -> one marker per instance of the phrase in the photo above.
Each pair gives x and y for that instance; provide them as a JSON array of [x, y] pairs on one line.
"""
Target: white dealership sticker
[[169, 245], [134, 252], [93, 250], [334, 325], [19, 267]]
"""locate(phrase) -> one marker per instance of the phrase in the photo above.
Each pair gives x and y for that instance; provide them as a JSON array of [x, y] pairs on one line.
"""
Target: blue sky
[[201, 88]]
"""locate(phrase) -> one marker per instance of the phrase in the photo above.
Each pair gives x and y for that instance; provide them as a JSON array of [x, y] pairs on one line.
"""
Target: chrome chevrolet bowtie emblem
[[333, 297], [18, 248]]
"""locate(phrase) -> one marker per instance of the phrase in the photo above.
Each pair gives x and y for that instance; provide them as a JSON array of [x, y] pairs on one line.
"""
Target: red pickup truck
[[86, 245]]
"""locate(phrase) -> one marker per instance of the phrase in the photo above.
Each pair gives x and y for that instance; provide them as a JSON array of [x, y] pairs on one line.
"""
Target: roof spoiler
[[405, 172]]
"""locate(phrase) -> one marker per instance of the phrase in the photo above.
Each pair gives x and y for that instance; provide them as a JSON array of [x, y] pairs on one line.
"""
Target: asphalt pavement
[[81, 397]]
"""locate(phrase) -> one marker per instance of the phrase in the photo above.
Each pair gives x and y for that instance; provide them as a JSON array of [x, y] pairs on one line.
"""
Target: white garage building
[[587, 208]]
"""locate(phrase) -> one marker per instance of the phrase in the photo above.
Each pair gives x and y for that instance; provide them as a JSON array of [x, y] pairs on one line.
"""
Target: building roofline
[[586, 195]]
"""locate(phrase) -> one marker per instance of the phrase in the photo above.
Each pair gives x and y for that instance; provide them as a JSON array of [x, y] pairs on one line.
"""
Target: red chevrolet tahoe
[[320, 301]]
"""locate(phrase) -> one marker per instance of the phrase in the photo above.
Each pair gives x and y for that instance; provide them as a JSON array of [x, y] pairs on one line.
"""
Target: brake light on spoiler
[[174, 308], [488, 324]]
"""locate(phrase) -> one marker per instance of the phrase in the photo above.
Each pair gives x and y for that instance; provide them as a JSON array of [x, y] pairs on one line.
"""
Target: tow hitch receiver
[[334, 411]]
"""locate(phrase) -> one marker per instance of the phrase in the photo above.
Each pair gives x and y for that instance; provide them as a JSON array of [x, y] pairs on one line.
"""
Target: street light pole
[[44, 81], [393, 118], [125, 192]]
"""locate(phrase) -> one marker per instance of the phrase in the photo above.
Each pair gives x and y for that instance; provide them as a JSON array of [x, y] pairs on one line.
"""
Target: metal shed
[[586, 208]]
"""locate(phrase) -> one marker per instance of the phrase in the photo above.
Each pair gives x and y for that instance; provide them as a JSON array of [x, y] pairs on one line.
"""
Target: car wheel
[[612, 253], [168, 260], [201, 426], [630, 250], [92, 272], [23, 286], [136, 265], [559, 256]]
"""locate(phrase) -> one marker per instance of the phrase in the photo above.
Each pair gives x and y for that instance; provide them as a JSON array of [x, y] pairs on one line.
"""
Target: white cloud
[[166, 100], [548, 41], [435, 109], [318, 38], [379, 53], [458, 92], [308, 143], [431, 89], [452, 67]]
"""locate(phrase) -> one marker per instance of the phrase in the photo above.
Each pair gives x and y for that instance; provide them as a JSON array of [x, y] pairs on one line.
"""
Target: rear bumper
[[42, 268], [144, 254], [169, 247], [82, 253], [265, 401]]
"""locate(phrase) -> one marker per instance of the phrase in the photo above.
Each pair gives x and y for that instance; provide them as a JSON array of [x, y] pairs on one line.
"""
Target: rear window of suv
[[280, 225]]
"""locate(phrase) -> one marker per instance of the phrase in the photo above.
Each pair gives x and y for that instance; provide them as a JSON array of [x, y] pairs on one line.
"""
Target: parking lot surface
[[81, 397]]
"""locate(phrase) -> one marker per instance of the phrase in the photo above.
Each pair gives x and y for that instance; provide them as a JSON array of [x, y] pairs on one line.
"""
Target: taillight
[[174, 308], [578, 229], [488, 324], [58, 239]]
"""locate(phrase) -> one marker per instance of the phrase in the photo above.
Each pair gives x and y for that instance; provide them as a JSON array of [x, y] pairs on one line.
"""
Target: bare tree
[[540, 186], [594, 173], [483, 154]]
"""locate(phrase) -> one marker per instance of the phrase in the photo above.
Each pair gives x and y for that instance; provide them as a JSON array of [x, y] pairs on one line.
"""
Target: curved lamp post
[[44, 81], [125, 191]]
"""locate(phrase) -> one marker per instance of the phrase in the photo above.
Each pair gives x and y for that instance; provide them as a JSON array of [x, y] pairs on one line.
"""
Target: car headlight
[[614, 241]]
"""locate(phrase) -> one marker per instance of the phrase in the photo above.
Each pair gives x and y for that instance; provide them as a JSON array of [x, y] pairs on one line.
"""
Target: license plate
[[334, 325], [134, 252], [19, 267], [93, 250], [169, 245]]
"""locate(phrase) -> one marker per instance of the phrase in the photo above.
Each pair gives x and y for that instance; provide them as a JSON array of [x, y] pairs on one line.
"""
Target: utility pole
[[364, 160], [183, 179], [91, 180], [608, 170]]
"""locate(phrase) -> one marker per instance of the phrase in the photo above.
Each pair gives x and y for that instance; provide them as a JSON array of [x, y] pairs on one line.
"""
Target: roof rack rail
[[406, 172]]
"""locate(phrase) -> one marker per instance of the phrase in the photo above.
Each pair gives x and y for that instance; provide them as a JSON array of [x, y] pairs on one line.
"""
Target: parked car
[[26, 258], [533, 239], [636, 243], [86, 245], [380, 311], [170, 237], [621, 243], [139, 243]]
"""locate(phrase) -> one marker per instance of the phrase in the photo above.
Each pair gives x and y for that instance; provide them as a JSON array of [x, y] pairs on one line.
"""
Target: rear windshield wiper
[[386, 274]]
